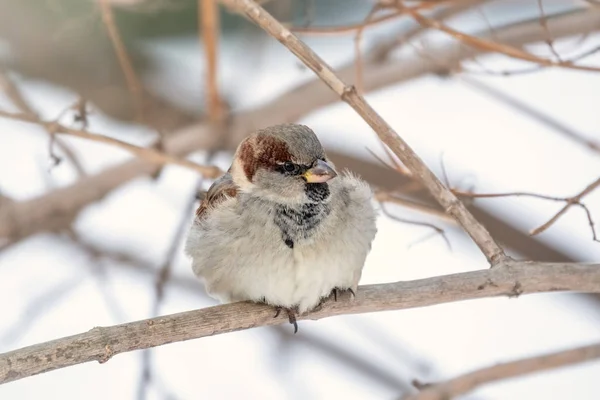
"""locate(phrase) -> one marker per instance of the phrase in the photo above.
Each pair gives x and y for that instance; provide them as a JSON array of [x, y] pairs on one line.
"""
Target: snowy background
[[50, 287]]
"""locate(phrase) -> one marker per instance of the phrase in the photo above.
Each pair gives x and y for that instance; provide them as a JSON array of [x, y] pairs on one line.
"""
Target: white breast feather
[[240, 255]]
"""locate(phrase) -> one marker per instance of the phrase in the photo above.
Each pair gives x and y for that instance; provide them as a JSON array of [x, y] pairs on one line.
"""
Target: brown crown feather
[[262, 151]]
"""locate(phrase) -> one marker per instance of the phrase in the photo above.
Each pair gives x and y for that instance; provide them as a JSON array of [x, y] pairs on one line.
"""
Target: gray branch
[[101, 343]]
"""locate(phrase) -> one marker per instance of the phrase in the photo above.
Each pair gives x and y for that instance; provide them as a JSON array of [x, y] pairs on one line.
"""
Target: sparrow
[[282, 227]]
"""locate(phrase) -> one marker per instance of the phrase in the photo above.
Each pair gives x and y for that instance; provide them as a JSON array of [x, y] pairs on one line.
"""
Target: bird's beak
[[319, 173]]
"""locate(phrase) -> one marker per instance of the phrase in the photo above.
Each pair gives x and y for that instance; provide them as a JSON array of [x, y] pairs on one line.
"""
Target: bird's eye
[[290, 167]]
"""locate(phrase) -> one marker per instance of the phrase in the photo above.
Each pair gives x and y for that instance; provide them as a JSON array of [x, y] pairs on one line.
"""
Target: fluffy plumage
[[282, 227]]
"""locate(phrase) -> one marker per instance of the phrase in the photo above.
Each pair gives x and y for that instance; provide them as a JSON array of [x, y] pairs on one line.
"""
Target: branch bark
[[471, 381], [101, 343]]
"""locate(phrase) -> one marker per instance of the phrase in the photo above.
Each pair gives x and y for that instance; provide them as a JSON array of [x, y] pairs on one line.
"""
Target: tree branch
[[491, 46], [133, 83], [101, 343], [147, 153], [492, 251], [208, 21], [570, 201], [470, 381]]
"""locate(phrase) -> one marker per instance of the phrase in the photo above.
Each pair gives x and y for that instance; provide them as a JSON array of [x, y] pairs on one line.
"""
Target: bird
[[282, 226]]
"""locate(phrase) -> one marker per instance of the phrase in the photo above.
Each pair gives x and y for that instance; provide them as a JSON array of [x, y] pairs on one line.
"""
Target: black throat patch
[[300, 222]]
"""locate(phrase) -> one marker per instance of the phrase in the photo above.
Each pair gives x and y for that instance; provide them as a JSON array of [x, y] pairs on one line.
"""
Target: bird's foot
[[336, 290], [291, 313]]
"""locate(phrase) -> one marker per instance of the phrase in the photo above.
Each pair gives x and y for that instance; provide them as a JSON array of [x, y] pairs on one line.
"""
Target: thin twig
[[16, 96], [570, 201], [435, 228], [575, 200], [387, 197], [133, 83], [209, 35], [357, 52], [347, 29], [367, 23], [529, 70], [544, 24], [488, 45], [468, 382], [384, 49], [102, 343], [147, 153], [386, 133]]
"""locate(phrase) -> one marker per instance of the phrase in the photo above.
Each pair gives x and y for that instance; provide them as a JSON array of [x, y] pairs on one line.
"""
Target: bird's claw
[[335, 292], [291, 316]]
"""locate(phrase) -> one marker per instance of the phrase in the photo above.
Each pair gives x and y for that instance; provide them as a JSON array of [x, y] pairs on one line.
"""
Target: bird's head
[[283, 163]]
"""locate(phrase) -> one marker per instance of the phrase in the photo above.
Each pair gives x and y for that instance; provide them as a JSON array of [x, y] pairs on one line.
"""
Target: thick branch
[[386, 133], [101, 343], [470, 381]]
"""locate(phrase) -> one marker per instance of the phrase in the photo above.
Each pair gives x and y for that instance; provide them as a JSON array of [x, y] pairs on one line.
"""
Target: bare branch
[[488, 45], [133, 83], [14, 94], [436, 229], [544, 23], [570, 201], [386, 133], [384, 49], [390, 197], [473, 380], [147, 153], [209, 31], [101, 343]]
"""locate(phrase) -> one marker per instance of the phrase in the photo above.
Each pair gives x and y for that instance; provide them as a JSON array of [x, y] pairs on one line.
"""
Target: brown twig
[[357, 52], [570, 201], [575, 200], [147, 153], [133, 83], [347, 29], [102, 343], [536, 68], [386, 133], [209, 35], [396, 164], [436, 229], [384, 49], [468, 382], [544, 24], [367, 23], [388, 197], [491, 46], [14, 94]]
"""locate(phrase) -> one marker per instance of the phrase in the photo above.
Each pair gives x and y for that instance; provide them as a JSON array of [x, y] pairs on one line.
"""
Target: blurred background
[[91, 235]]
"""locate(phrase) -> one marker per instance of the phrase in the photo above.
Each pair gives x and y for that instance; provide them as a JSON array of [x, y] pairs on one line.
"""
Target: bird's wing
[[220, 190]]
